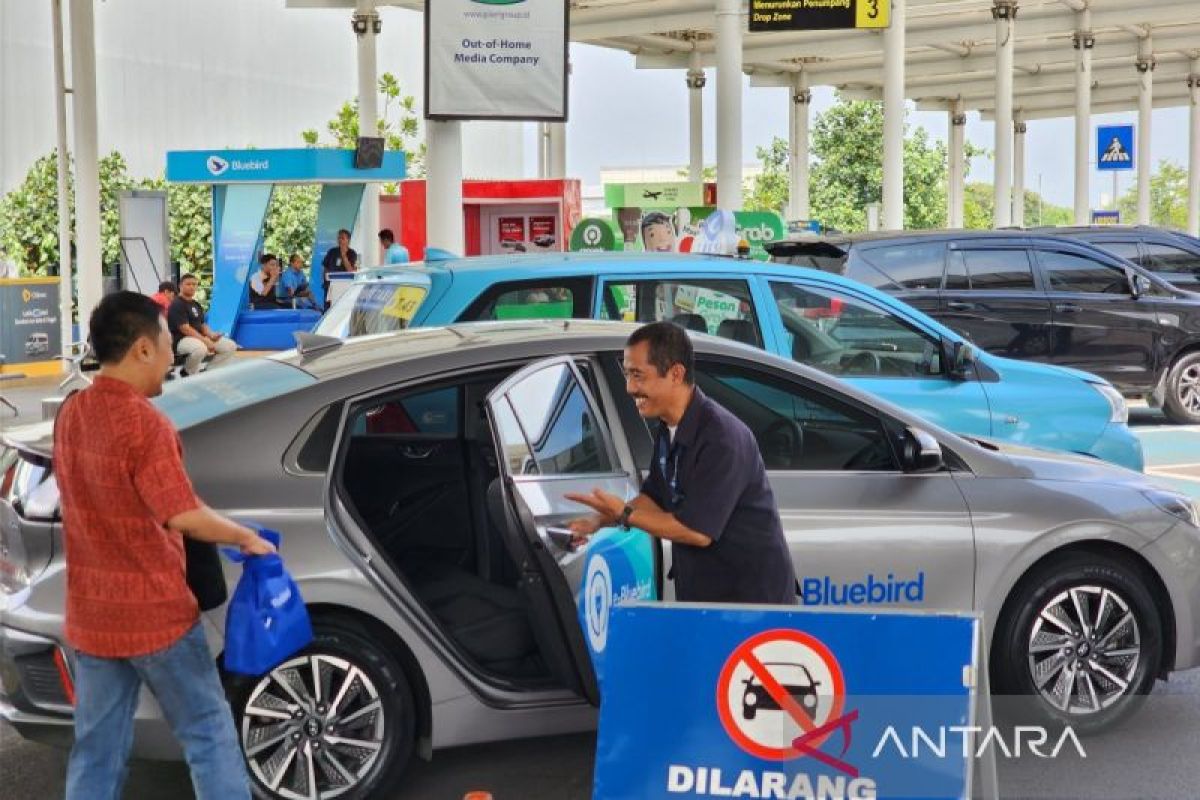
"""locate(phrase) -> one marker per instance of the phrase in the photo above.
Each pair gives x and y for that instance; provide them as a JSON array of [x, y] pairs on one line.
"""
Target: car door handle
[[1067, 308], [563, 537], [955, 305]]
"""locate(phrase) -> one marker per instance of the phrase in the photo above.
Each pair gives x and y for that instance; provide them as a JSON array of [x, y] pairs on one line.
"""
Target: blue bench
[[272, 329]]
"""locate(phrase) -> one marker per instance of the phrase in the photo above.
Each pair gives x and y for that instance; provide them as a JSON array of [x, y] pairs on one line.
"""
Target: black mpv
[[1035, 297]]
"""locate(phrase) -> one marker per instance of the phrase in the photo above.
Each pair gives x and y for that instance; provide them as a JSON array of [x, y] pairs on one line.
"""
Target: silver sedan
[[419, 480]]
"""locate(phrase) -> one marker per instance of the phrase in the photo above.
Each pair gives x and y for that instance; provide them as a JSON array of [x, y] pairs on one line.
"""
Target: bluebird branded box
[[769, 702]]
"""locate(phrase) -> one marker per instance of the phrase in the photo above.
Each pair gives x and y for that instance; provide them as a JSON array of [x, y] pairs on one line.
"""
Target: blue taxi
[[842, 327]]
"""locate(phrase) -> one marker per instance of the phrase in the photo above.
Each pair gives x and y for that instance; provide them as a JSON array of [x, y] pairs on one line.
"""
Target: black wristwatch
[[623, 520]]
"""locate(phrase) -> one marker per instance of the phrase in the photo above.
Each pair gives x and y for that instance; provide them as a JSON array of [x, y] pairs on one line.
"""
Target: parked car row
[[840, 326], [420, 478], [1056, 299]]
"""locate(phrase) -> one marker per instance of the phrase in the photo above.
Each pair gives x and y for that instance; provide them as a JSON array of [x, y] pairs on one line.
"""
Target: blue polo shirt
[[291, 281], [396, 254], [712, 478]]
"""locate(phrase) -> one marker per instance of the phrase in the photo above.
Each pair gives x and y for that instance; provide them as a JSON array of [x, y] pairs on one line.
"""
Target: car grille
[[40, 682]]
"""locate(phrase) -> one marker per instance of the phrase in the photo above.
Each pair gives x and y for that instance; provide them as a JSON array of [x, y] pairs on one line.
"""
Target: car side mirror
[[920, 452], [1140, 285], [962, 357]]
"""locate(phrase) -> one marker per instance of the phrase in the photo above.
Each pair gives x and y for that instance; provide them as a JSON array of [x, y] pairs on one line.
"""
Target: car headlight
[[1116, 401], [1177, 505]]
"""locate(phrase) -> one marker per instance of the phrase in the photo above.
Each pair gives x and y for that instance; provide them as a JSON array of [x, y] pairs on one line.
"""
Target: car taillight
[[14, 558]]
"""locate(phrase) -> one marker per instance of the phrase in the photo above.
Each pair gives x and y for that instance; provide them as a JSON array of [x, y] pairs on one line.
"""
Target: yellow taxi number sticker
[[405, 302]]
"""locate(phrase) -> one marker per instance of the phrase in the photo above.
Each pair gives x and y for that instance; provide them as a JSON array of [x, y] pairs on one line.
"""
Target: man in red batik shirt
[[126, 505]]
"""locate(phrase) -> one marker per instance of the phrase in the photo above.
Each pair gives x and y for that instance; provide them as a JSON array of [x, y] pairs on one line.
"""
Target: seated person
[[293, 288], [166, 294], [190, 335], [264, 283]]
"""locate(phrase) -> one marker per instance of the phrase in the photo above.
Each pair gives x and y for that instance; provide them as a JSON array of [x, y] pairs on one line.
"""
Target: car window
[[370, 308], [859, 269], [797, 427], [1068, 272], [1126, 250], [426, 413], [719, 307], [556, 423], [994, 270], [1166, 258], [844, 335], [556, 298], [916, 265]]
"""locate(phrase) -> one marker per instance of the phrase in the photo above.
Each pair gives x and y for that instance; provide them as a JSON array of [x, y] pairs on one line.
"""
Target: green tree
[[29, 213], [292, 221], [848, 171], [707, 174], [397, 124], [979, 204], [770, 189], [1168, 197]]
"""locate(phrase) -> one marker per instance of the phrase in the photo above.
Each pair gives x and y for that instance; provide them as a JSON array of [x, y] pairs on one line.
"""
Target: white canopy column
[[729, 104], [1193, 83], [893, 118], [444, 203], [1145, 68], [1083, 41], [367, 25], [1005, 14], [88, 251], [956, 191], [695, 85], [1020, 128], [798, 148], [65, 295]]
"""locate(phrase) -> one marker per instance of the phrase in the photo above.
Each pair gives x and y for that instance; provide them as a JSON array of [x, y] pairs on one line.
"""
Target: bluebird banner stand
[[242, 182], [765, 702]]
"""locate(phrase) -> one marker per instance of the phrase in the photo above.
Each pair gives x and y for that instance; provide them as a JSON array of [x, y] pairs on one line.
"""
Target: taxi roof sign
[[809, 15]]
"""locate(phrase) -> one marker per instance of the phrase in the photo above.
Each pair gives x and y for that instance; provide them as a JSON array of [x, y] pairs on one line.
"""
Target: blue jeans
[[183, 678]]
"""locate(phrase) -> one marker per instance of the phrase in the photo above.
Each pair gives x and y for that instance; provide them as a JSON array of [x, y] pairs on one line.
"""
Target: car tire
[[365, 698], [1123, 620], [1181, 404]]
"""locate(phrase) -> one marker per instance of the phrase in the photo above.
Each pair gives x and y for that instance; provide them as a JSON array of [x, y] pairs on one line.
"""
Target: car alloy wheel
[[313, 728], [1182, 401], [1084, 649], [1187, 388]]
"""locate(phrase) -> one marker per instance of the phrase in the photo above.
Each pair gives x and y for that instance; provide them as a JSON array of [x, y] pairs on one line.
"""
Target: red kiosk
[[534, 216]]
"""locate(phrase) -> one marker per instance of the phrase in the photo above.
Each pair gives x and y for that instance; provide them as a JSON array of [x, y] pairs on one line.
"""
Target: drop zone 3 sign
[[496, 59]]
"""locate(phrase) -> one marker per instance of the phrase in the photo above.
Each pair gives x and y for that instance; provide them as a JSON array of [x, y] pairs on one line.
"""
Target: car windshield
[[369, 308], [241, 383]]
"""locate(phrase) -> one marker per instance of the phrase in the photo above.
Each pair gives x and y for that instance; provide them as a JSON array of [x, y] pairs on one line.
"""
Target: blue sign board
[[723, 701], [1114, 147], [299, 165]]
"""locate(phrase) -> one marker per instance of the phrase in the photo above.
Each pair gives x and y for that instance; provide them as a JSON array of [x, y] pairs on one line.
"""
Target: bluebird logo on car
[[872, 590]]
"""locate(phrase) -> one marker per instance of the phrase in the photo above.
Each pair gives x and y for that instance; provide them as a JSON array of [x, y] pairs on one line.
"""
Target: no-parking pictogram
[[781, 695]]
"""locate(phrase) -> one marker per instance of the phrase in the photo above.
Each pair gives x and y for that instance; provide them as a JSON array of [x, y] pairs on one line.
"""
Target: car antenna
[[310, 343]]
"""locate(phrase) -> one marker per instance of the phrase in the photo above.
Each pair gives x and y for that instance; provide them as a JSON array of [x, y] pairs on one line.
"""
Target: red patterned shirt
[[119, 466]]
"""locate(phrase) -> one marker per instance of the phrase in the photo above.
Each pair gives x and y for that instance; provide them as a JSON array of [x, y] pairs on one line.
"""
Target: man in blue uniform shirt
[[707, 491]]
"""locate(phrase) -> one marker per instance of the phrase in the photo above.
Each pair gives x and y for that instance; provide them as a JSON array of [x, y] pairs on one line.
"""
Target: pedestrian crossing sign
[[1114, 147]]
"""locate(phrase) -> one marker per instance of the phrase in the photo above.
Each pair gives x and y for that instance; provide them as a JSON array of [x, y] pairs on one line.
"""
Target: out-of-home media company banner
[[496, 59]]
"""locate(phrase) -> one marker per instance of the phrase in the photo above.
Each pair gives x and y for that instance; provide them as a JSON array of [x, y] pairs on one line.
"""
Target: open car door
[[553, 441]]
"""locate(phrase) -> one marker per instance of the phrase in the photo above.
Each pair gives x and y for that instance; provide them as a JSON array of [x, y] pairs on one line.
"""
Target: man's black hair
[[119, 321], [669, 345], [266, 258], [343, 230], [386, 235], [168, 286], [188, 277]]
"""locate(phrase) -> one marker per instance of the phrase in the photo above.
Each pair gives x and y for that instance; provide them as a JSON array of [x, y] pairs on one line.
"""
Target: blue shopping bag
[[267, 621]]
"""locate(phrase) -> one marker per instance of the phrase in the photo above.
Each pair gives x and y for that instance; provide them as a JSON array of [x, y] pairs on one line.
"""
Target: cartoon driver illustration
[[658, 233]]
